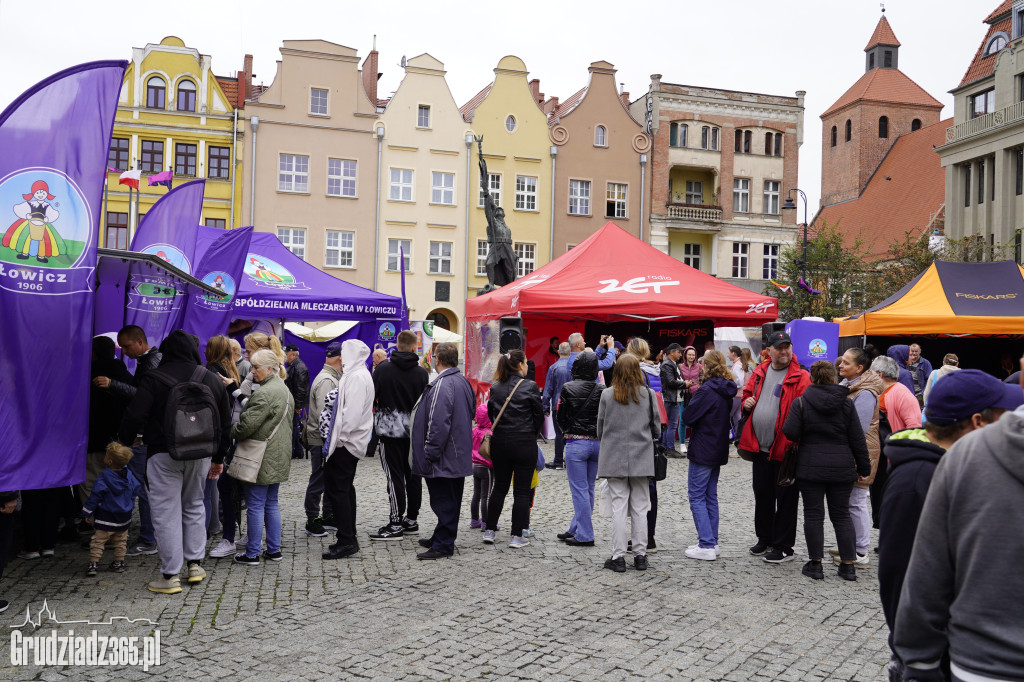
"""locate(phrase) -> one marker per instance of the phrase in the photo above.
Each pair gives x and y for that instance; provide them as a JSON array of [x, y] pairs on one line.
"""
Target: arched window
[[186, 96], [849, 130], [883, 126], [747, 137], [997, 43], [915, 124], [768, 144], [739, 141], [600, 136], [834, 135], [156, 90], [677, 135]]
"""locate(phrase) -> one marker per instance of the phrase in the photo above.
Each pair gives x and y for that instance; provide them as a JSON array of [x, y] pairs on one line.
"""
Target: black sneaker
[[117, 567], [617, 565], [272, 556], [652, 546], [315, 527], [328, 522], [564, 536], [640, 562], [760, 548], [847, 572], [432, 554], [410, 527], [247, 560], [425, 542], [388, 533], [91, 570], [777, 556], [812, 569], [4, 604]]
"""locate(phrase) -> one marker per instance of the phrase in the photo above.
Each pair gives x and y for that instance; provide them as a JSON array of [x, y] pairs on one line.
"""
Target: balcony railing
[[981, 124], [694, 212]]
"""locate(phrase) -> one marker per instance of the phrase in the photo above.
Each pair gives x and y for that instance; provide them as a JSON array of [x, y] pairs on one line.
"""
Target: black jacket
[[825, 424], [524, 415], [708, 417], [671, 381], [126, 388], [146, 411], [580, 398], [297, 381], [106, 407], [912, 462], [397, 384]]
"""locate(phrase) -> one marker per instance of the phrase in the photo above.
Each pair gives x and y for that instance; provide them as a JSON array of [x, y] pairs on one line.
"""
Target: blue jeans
[[682, 425], [668, 438], [581, 469], [137, 465], [702, 484], [261, 508]]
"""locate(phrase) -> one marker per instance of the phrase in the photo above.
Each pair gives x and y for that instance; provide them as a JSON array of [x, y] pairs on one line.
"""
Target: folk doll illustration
[[263, 272], [33, 234]]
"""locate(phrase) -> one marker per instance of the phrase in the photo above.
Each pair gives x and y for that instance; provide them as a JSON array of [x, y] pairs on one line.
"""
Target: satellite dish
[[402, 64]]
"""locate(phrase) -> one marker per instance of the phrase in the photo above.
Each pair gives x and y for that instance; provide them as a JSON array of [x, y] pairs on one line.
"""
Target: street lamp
[[790, 205]]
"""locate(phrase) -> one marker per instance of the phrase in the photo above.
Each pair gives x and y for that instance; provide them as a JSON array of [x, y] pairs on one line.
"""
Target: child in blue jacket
[[109, 507]]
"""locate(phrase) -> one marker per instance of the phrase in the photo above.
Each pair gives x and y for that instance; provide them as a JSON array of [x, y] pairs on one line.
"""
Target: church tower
[[860, 128]]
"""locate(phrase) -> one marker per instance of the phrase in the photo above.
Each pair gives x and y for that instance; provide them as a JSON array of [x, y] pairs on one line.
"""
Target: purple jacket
[[442, 428]]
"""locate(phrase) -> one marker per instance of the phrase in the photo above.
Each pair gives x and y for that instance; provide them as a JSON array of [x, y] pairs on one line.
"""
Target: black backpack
[[191, 417]]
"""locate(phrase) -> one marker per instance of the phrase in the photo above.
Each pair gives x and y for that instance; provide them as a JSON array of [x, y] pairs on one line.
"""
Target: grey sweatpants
[[631, 500], [176, 504]]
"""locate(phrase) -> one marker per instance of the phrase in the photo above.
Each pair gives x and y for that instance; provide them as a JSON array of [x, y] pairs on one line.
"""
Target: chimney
[[538, 96], [245, 81], [550, 105], [370, 74], [624, 96]]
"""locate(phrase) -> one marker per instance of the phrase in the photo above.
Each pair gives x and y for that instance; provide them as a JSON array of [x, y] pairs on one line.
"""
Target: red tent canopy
[[613, 276]]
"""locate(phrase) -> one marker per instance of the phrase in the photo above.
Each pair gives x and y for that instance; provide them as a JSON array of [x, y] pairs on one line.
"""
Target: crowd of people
[[199, 448]]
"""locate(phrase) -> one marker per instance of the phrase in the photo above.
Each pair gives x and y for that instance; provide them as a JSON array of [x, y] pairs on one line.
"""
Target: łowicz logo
[[160, 284], [637, 285], [49, 236], [223, 281], [387, 331], [270, 273], [817, 348]]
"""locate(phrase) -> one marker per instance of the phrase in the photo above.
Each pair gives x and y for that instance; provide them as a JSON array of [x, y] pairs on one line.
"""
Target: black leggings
[[815, 495], [483, 482], [518, 459]]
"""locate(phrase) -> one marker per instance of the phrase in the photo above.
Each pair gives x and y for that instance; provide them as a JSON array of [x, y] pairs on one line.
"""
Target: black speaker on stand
[[510, 334], [769, 328]]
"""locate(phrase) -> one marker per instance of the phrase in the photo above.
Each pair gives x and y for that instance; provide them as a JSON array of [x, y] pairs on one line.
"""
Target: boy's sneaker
[[410, 527], [224, 548], [196, 573], [488, 537], [328, 522], [861, 560], [91, 571], [117, 567], [476, 523], [813, 569], [518, 542], [528, 533], [315, 527], [163, 585], [777, 556], [702, 553], [140, 548], [389, 532], [29, 556], [272, 556], [247, 560]]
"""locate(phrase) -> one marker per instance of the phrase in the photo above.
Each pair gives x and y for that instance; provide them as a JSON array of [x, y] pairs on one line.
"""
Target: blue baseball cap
[[333, 349], [960, 394]]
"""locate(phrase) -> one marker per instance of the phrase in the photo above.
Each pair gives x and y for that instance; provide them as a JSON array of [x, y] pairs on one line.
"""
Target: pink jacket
[[482, 428]]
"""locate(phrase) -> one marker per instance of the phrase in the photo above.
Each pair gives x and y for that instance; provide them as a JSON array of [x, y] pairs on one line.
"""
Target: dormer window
[[996, 43]]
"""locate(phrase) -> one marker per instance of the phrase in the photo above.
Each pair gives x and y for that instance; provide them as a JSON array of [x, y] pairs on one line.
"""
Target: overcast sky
[[769, 47]]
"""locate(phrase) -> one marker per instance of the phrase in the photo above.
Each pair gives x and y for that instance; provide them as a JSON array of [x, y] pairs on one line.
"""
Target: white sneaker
[[518, 542], [861, 560], [702, 553], [488, 537], [242, 541], [718, 552], [224, 548]]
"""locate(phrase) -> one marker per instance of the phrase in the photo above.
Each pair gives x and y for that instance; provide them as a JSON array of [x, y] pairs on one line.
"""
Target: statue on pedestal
[[501, 257]]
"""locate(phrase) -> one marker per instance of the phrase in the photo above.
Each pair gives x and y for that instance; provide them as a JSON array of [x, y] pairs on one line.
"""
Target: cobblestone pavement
[[546, 612]]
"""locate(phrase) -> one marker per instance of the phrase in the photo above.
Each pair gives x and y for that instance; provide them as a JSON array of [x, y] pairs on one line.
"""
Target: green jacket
[[264, 411]]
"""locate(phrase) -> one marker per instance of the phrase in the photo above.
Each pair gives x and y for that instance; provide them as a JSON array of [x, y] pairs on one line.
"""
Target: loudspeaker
[[510, 334], [769, 328]]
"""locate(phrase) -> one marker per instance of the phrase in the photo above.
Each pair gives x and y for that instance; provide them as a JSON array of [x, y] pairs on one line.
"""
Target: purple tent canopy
[[277, 284]]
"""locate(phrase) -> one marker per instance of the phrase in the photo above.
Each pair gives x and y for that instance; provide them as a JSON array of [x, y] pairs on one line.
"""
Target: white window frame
[[526, 258], [341, 251], [441, 193], [771, 197], [740, 260], [692, 254], [404, 185], [621, 202], [579, 197], [483, 248], [421, 121], [346, 181], [494, 185], [293, 173], [526, 196], [600, 136], [314, 104], [770, 261], [394, 244], [741, 195], [694, 189], [511, 124], [288, 235], [440, 262]]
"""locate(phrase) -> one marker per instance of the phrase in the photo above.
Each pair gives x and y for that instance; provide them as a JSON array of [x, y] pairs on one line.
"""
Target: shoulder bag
[[787, 470], [485, 444], [248, 458]]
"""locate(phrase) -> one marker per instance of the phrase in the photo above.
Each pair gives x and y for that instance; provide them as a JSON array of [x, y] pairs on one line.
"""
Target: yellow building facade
[[172, 115], [519, 163]]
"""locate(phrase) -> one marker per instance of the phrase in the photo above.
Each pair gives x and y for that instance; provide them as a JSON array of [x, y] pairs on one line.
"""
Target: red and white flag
[[130, 178]]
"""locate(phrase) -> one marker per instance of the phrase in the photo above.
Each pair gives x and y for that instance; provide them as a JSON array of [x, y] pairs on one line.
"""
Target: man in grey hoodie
[[963, 586]]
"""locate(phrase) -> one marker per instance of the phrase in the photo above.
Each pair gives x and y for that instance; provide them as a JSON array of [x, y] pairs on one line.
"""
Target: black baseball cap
[[291, 348], [776, 339], [672, 346]]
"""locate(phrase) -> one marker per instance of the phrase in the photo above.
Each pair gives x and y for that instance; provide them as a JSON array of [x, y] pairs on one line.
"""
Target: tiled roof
[[982, 66], [883, 35], [469, 107], [1003, 8], [565, 107], [230, 88], [885, 85], [905, 193]]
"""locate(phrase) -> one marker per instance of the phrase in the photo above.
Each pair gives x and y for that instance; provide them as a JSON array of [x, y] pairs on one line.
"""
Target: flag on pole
[[130, 178], [221, 256], [784, 287], [807, 287], [163, 178], [52, 137]]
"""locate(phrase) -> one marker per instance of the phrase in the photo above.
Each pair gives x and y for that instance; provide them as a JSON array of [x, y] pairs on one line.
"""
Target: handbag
[[485, 444], [248, 458], [660, 455], [787, 471]]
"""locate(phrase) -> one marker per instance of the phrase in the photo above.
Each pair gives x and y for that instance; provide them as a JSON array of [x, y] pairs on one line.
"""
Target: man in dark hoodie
[[398, 384], [176, 486], [961, 403]]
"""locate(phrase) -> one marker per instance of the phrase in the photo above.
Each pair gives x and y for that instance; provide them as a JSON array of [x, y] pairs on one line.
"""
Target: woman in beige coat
[[266, 417]]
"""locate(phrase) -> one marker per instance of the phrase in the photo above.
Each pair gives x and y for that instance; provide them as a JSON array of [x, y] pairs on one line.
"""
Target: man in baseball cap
[[961, 403]]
